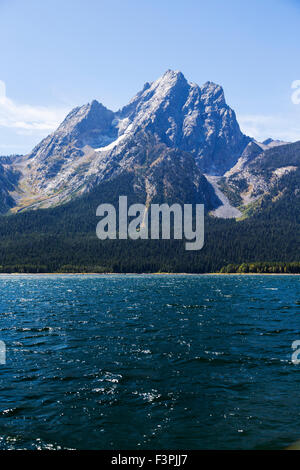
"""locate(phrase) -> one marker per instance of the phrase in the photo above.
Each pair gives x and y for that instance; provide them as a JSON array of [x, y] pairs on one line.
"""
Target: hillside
[[175, 141], [64, 238]]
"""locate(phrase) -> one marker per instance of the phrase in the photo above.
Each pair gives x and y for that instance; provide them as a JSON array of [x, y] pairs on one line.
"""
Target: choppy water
[[139, 362]]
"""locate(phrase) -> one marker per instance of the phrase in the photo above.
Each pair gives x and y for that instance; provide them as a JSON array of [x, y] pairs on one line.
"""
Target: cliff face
[[174, 137]]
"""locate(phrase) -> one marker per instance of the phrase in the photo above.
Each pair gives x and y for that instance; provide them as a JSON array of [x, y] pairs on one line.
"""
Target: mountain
[[269, 143], [259, 173], [63, 239], [174, 142], [94, 144], [192, 118]]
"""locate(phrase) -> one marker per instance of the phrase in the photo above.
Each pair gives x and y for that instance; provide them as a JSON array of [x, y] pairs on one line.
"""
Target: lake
[[149, 362]]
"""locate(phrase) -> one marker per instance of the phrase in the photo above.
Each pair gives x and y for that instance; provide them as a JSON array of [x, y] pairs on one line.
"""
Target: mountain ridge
[[89, 145], [174, 136]]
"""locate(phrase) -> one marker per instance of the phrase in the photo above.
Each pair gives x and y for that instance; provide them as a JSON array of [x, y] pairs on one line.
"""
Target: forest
[[63, 239]]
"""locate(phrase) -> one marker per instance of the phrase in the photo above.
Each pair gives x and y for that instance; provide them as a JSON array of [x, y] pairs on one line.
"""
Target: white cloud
[[26, 118], [2, 90], [296, 94], [262, 127]]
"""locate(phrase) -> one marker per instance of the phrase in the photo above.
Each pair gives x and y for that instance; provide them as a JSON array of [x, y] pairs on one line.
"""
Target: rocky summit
[[178, 141]]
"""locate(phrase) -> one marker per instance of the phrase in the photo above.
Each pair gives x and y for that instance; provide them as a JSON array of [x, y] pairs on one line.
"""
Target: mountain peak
[[91, 142], [273, 143], [212, 92], [183, 115], [171, 89], [82, 118], [173, 74], [171, 78]]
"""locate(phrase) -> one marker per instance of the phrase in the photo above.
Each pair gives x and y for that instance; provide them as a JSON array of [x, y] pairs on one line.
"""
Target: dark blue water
[[149, 362]]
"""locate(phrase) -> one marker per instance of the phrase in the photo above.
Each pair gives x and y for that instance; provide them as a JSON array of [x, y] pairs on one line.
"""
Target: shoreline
[[148, 274]]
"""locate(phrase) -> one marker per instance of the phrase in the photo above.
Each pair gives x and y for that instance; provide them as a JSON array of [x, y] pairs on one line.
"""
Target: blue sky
[[57, 54]]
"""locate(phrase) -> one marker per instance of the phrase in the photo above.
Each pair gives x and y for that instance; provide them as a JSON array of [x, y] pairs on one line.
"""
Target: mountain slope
[[92, 143], [191, 118], [178, 141], [259, 174], [8, 182], [64, 238]]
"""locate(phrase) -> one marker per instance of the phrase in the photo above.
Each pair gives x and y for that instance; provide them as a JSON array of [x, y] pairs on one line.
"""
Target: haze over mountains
[[176, 140]]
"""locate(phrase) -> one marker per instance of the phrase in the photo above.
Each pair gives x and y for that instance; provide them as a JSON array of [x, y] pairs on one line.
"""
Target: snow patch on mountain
[[127, 131], [279, 172]]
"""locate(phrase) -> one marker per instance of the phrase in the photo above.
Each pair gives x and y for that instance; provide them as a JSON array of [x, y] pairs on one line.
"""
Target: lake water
[[149, 362]]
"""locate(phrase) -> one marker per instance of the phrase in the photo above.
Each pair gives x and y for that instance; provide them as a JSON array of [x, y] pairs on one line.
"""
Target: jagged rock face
[[89, 125], [181, 114], [170, 135], [252, 151], [91, 144], [192, 118], [162, 173], [258, 171]]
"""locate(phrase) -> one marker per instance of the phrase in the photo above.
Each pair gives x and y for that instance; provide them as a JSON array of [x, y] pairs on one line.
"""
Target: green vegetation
[[262, 268], [233, 192], [63, 239]]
